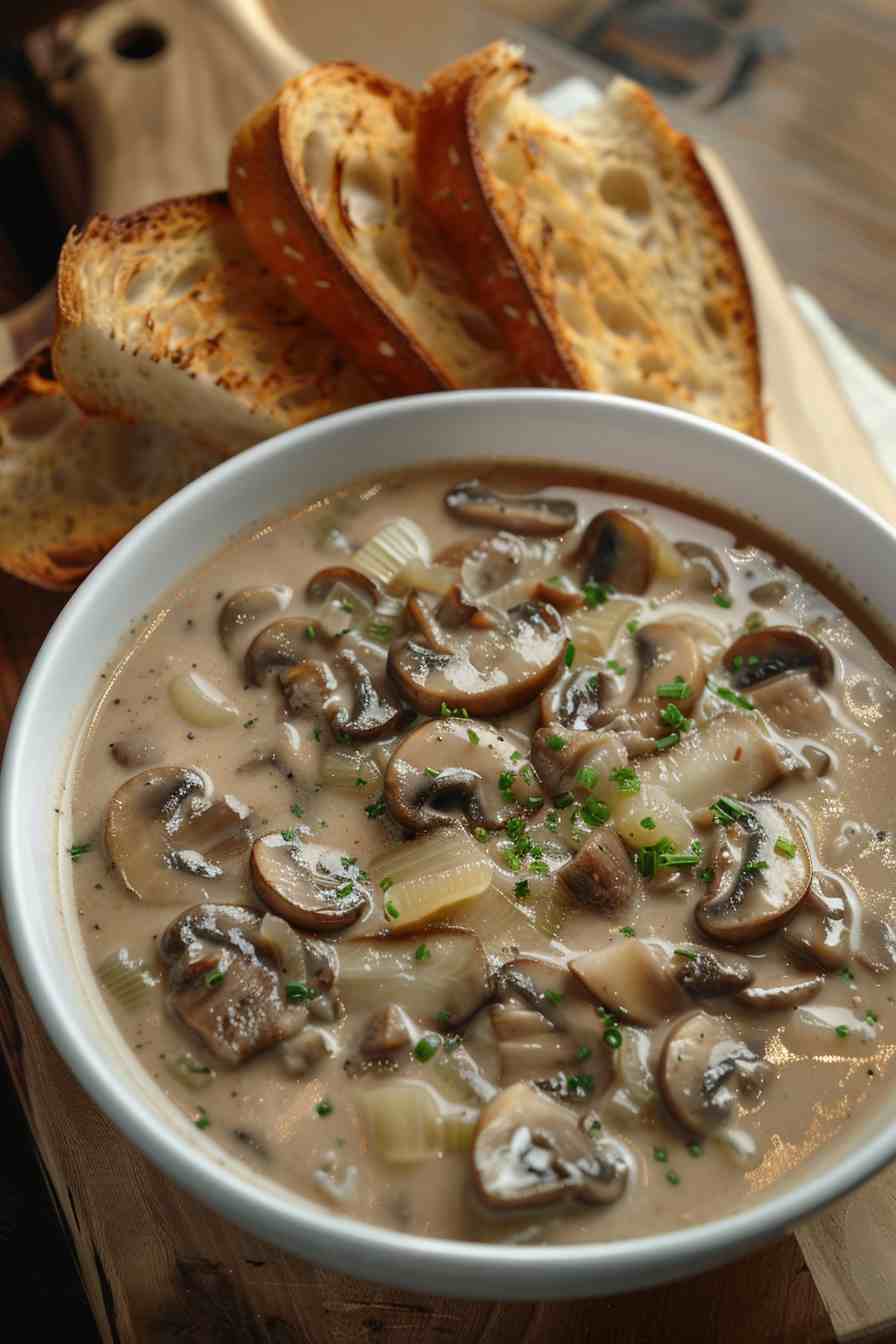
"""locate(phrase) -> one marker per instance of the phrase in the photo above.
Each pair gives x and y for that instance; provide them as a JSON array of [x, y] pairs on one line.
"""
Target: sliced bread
[[71, 485], [322, 180], [600, 249], [166, 316]]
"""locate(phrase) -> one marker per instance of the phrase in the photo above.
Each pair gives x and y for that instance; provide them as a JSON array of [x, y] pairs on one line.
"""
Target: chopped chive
[[214, 978], [317, 734], [553, 996], [737, 662], [505, 781], [527, 774], [381, 631], [376, 809], [324, 1108], [430, 772], [202, 1121], [706, 874], [552, 821], [627, 931], [755, 621], [695, 1149], [672, 716], [569, 656], [425, 1048], [75, 851], [391, 910], [296, 810], [595, 812], [288, 836], [516, 756], [480, 834], [593, 682], [250, 723], [595, 594], [310, 632], [660, 1155], [726, 810], [615, 666], [556, 743], [731, 697], [845, 973], [755, 866], [539, 867], [677, 860], [723, 600], [685, 952], [786, 848], [564, 800], [521, 890], [613, 1037], [673, 1177], [584, 1052], [443, 1017], [842, 1031], [631, 627], [386, 883], [347, 890], [670, 740], [360, 782], [674, 690], [753, 660], [587, 777], [472, 737], [871, 1016], [648, 824], [626, 780], [344, 605], [422, 953], [515, 828], [298, 992]]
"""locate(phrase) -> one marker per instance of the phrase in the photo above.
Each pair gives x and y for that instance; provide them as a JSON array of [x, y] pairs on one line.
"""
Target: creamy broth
[[626, 776]]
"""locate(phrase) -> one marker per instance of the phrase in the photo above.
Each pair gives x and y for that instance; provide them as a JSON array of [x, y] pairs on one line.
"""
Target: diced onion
[[126, 978], [458, 1129], [403, 1122], [201, 703], [593, 631], [424, 578], [343, 769], [671, 821], [389, 550], [631, 1062], [428, 876]]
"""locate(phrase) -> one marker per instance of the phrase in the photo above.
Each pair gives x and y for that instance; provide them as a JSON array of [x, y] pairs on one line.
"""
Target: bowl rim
[[273, 1211]]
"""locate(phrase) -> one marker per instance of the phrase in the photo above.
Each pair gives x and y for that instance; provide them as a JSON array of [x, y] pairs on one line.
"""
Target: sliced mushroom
[[498, 564], [770, 594], [166, 835], [560, 591], [542, 1019], [310, 688], [703, 1068], [573, 700], [308, 885], [761, 872], [530, 1151], [634, 979], [709, 975], [136, 748], [375, 712], [600, 875], [559, 755], [224, 982], [668, 653], [731, 757], [820, 930], [457, 766], [530, 515], [247, 606], [530, 1046], [281, 645], [617, 549], [444, 990], [491, 671], [876, 947], [794, 704], [387, 1031], [705, 565], [761, 654], [779, 992]]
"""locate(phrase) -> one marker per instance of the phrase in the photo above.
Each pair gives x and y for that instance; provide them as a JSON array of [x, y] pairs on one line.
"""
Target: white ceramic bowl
[[633, 437]]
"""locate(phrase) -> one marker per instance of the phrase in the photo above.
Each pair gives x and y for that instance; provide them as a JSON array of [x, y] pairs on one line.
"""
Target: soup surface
[[508, 866]]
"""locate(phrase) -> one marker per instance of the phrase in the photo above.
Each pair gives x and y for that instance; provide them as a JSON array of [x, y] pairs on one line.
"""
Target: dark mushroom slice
[[770, 594], [530, 1151], [876, 947], [633, 979], [348, 597], [166, 835], [709, 975], [281, 645], [308, 885], [731, 757], [794, 704], [375, 711], [457, 767], [444, 991], [600, 876], [385, 1033], [761, 872], [761, 654], [541, 1021], [573, 700], [560, 754], [668, 653], [530, 1046], [244, 608], [321, 585], [703, 1068], [135, 749], [495, 562], [704, 565], [560, 591], [819, 932], [529, 515], [310, 688], [617, 549], [225, 984], [779, 992], [490, 672]]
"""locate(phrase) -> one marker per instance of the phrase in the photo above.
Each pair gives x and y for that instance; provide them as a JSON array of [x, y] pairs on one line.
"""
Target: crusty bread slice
[[322, 180], [71, 485], [601, 249], [166, 316]]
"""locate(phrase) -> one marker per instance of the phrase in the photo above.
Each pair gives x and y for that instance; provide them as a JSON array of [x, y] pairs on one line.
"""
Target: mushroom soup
[[499, 859]]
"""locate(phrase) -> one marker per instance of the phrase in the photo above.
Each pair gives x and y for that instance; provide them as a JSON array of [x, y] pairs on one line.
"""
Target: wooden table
[[809, 146]]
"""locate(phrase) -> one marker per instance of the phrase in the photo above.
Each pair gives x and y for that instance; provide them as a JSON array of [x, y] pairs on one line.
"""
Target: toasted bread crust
[[454, 189], [287, 239]]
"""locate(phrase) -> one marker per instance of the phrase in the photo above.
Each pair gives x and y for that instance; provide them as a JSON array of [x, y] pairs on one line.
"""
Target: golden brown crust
[[296, 250], [454, 190]]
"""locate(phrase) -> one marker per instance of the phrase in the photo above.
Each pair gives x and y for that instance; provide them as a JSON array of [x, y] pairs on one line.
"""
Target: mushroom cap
[[376, 711], [558, 755], [445, 990], [541, 1019], [224, 983], [530, 1151], [490, 671], [705, 563], [308, 885], [755, 888], [529, 515], [166, 835], [472, 761], [573, 700], [705, 974], [634, 979], [282, 644], [780, 992], [600, 875], [775, 649], [667, 652], [702, 1068], [617, 548], [820, 930], [321, 584], [243, 608]]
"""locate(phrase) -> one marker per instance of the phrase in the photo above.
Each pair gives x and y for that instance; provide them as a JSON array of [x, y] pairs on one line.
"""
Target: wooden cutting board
[[157, 1265]]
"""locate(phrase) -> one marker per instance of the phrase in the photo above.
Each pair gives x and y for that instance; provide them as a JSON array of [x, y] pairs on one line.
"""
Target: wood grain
[[157, 1266]]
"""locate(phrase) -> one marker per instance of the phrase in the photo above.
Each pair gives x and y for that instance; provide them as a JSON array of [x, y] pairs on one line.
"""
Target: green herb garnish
[[786, 848], [376, 809], [587, 777], [727, 810], [595, 594], [842, 1031], [521, 890], [626, 780], [594, 812], [723, 600], [425, 1048], [324, 1108], [422, 953], [430, 772], [480, 834], [472, 737], [391, 910], [569, 656], [202, 1120], [670, 740], [75, 851], [648, 824], [555, 742], [553, 996], [627, 931], [731, 697], [298, 992], [214, 978]]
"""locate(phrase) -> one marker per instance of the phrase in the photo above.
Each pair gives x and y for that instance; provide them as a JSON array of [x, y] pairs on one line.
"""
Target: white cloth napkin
[[871, 397]]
